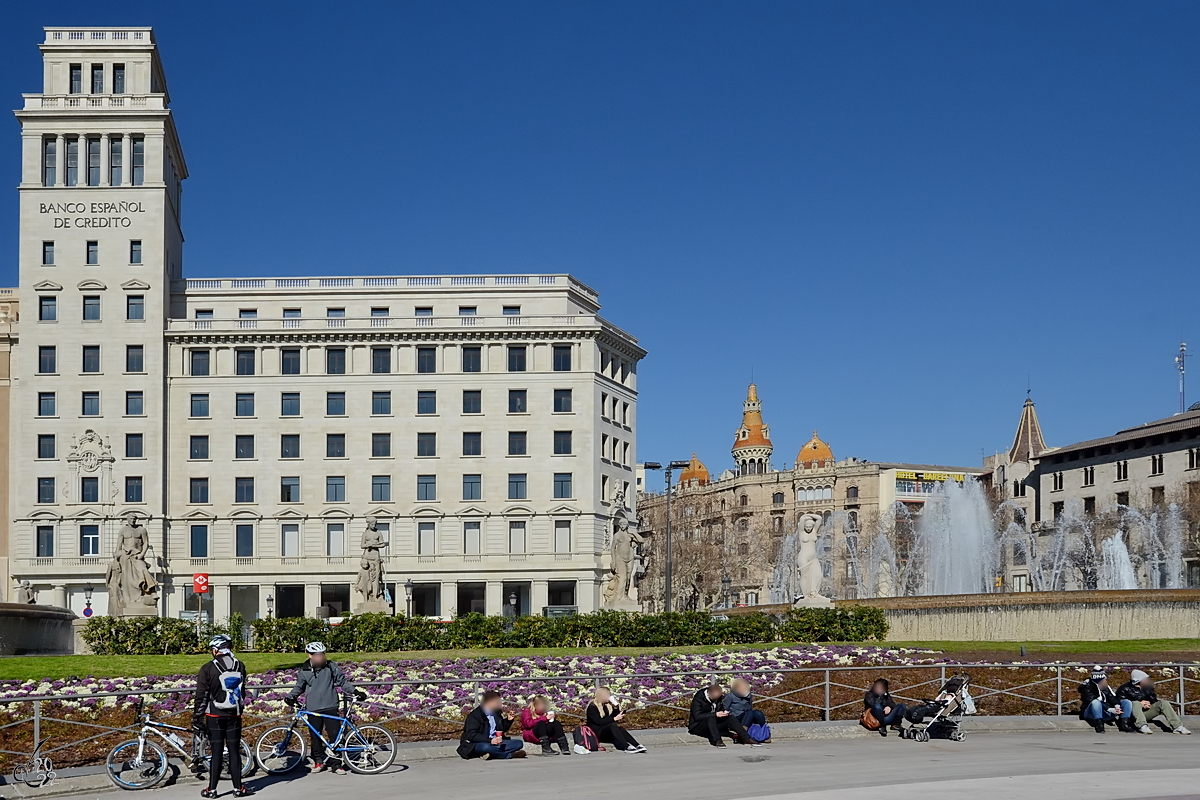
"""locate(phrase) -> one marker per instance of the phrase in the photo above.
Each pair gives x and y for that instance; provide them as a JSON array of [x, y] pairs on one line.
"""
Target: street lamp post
[[408, 590], [725, 584], [87, 599], [270, 605], [674, 465]]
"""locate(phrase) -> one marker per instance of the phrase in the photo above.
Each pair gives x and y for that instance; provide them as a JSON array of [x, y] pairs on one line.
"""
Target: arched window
[[827, 493], [851, 492], [777, 498], [744, 501], [722, 503], [852, 520], [778, 523], [745, 574], [743, 549], [743, 524]]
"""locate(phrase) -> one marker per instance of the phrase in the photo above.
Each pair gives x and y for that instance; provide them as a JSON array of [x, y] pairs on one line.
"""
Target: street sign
[[87, 612], [200, 583]]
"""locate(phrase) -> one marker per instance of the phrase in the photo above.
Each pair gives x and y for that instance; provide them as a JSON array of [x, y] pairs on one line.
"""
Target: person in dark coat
[[604, 718], [1099, 704], [483, 731], [709, 719], [1139, 691], [878, 700], [217, 713]]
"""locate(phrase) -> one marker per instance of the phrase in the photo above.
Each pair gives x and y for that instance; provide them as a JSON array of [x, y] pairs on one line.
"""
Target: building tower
[[100, 241], [1028, 444], [752, 442]]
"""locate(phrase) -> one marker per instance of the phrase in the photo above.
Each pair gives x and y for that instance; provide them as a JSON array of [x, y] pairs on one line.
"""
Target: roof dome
[[814, 454], [695, 471], [753, 432]]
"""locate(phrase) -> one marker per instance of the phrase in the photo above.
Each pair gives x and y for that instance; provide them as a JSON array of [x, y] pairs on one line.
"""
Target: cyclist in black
[[217, 713], [319, 681]]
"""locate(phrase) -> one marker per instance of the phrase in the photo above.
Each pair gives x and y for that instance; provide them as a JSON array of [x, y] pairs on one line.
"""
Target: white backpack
[[230, 692]]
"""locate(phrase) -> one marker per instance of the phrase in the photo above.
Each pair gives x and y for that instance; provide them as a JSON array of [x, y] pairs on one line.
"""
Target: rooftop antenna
[[1179, 365], [1028, 385]]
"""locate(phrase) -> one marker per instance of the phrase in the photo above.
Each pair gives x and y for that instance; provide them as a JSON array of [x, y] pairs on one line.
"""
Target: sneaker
[[244, 791], [339, 769], [755, 744], [547, 750], [718, 744], [1144, 729], [318, 766], [519, 754], [1182, 730], [209, 793], [581, 750], [641, 748]]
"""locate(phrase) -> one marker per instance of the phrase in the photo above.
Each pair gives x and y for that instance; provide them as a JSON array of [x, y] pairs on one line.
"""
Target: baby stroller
[[946, 712]]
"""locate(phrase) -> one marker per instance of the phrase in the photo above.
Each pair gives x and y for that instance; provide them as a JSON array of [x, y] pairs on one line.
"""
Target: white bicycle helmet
[[314, 647], [219, 641]]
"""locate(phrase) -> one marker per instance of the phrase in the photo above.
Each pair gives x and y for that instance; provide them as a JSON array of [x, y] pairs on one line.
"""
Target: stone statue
[[25, 594], [626, 560], [807, 562], [369, 583], [132, 589]]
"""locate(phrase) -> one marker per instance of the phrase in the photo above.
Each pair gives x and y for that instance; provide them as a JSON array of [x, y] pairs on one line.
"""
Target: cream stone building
[[488, 422]]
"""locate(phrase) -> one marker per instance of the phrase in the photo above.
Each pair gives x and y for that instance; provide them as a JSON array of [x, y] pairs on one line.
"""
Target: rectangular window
[[381, 445], [381, 360], [200, 362], [45, 492], [289, 445], [91, 358], [472, 443], [118, 79], [516, 537], [45, 541], [562, 485], [562, 536], [73, 161], [115, 148], [426, 444], [335, 489], [562, 358], [562, 443], [289, 546], [47, 308], [244, 403], [427, 487], [135, 306], [243, 490], [199, 405], [49, 162], [516, 486], [91, 404], [198, 490], [46, 404], [47, 360], [335, 361], [135, 360], [245, 362], [518, 401], [512, 311], [516, 358], [89, 490], [426, 402], [76, 78], [472, 487], [426, 360], [199, 541], [472, 540], [89, 541], [243, 546], [289, 404], [139, 160], [472, 359], [289, 491], [243, 446], [198, 448], [93, 253], [335, 313], [134, 447], [289, 361], [45, 445], [562, 401], [135, 251], [472, 401], [335, 445], [335, 404], [48, 254], [93, 162], [381, 488], [426, 541], [97, 79], [91, 307], [135, 404], [335, 539], [517, 443], [381, 403], [133, 489], [380, 311]]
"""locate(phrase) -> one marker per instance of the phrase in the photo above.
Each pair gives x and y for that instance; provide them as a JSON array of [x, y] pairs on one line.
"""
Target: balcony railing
[[35, 102], [396, 323]]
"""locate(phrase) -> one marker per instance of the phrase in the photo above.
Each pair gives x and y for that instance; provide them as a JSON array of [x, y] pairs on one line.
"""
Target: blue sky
[[893, 215]]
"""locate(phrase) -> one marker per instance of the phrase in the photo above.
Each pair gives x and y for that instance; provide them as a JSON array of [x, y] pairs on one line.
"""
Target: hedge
[[380, 633]]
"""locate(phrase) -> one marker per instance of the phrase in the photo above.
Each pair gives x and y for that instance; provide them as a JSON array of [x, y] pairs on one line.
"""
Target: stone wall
[[31, 629]]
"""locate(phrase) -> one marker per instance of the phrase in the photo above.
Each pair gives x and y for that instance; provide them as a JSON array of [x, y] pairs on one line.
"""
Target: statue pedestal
[[624, 604], [372, 607], [139, 611], [817, 601]]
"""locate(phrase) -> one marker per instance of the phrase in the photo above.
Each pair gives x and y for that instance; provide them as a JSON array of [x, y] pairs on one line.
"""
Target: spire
[[752, 442], [1028, 443]]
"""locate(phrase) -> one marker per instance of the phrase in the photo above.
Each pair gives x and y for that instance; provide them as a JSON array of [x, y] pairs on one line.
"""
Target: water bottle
[[174, 739]]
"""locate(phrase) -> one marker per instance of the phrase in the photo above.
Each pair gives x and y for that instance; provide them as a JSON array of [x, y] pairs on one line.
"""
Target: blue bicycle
[[367, 750]]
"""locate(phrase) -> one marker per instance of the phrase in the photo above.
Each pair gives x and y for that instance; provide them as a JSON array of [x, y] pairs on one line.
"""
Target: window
[[89, 490], [47, 308], [243, 541], [73, 161], [47, 359], [381, 360], [245, 362], [381, 403], [335, 313], [1123, 499], [562, 443], [1156, 464], [381, 445], [1056, 482], [472, 401], [45, 541], [243, 490], [427, 487], [244, 403], [335, 445], [118, 79], [1193, 458], [135, 307], [562, 401], [562, 358], [45, 490], [1089, 506], [516, 443], [89, 540], [472, 487], [135, 358], [335, 539], [199, 541], [426, 541], [516, 358], [134, 447], [91, 404], [1158, 495], [199, 405], [518, 401], [93, 253], [76, 78], [45, 445], [516, 537], [335, 404], [135, 251], [472, 443], [426, 402], [562, 536], [115, 147], [1089, 477], [91, 358], [97, 79], [512, 311], [48, 254], [335, 489], [471, 539], [200, 362], [49, 162], [135, 405], [516, 486], [289, 404], [423, 311], [139, 160], [289, 492], [562, 485], [380, 311], [1122, 470], [248, 313], [335, 361], [46, 404], [289, 361], [777, 499], [289, 445], [243, 446], [198, 448], [426, 359], [426, 444], [381, 488], [289, 545], [1057, 510], [472, 359], [93, 162]]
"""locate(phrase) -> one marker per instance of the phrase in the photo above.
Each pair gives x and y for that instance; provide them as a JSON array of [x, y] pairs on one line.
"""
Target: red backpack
[[586, 738]]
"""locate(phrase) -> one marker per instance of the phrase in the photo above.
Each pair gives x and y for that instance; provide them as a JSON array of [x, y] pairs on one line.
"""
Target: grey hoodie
[[319, 685]]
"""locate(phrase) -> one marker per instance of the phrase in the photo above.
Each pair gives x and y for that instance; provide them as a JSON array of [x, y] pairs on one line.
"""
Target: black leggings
[[617, 736], [225, 735], [548, 730]]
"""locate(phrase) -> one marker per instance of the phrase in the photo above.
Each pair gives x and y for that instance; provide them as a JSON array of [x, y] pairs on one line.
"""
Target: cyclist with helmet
[[319, 680], [217, 713]]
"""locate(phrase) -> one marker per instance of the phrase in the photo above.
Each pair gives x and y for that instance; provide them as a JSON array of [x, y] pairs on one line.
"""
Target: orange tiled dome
[[695, 471], [753, 431], [814, 454]]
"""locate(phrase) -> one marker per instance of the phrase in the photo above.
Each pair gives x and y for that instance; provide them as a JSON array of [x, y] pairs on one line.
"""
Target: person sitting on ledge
[[740, 703], [483, 732], [604, 717], [1139, 691], [878, 700], [539, 726], [708, 719], [1099, 704]]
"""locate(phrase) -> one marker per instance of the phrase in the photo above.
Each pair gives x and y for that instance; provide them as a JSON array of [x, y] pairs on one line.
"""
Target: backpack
[[759, 733], [228, 695], [586, 738]]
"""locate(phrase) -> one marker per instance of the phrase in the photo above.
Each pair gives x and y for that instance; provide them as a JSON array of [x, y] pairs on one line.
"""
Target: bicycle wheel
[[249, 765], [280, 749], [369, 750], [127, 771]]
